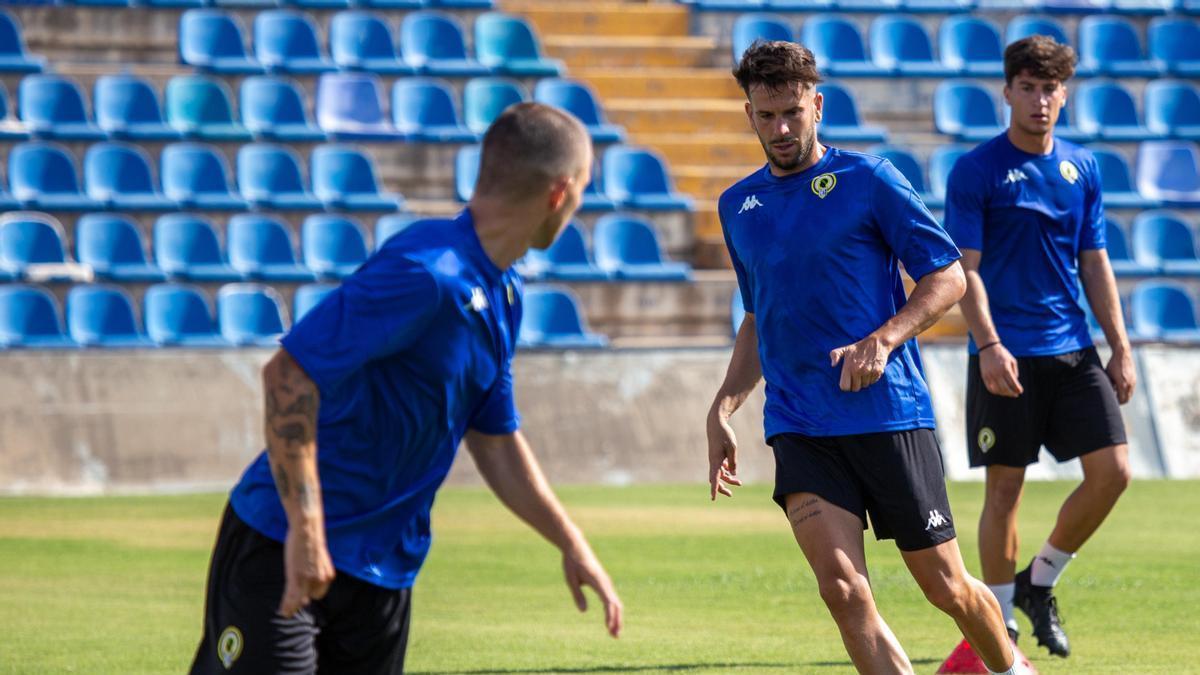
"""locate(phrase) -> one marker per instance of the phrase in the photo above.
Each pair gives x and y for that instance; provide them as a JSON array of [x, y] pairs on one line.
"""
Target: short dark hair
[[527, 147], [1040, 56], [776, 65]]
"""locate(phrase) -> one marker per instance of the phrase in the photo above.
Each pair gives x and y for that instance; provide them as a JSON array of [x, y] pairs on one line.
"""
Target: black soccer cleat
[[1040, 605], [1013, 634]]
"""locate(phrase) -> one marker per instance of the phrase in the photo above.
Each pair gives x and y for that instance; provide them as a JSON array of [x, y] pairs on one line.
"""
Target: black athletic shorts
[[1068, 405], [895, 477], [356, 628]]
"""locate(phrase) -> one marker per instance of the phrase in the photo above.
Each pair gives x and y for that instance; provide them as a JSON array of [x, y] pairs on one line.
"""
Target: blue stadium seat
[[593, 198], [350, 107], [551, 318], [1106, 110], [461, 4], [750, 27], [433, 43], [286, 41], [127, 107], [250, 315], [906, 163], [577, 98], [42, 176], [179, 315], [1119, 255], [260, 247], [941, 162], [1163, 311], [186, 246], [307, 297], [1163, 241], [1116, 181], [840, 120], [899, 44], [737, 310], [395, 4], [1175, 43], [29, 318], [333, 246], [937, 6], [29, 240], [1142, 7], [838, 47], [212, 40], [344, 178], [628, 248], [1173, 109], [566, 259], [484, 98], [393, 224], [971, 46], [99, 315], [272, 109], [52, 106], [637, 178], [11, 129], [112, 245], [1026, 25], [965, 110], [466, 171], [795, 5], [1109, 45], [423, 109], [1075, 6], [13, 57], [196, 177], [871, 6], [1169, 172], [200, 107], [507, 44], [119, 177], [269, 178], [363, 41]]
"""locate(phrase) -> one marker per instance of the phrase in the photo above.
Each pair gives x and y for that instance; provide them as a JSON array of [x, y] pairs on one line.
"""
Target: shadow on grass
[[663, 668]]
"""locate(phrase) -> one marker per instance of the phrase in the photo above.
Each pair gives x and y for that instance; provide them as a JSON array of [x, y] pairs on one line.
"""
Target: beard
[[805, 144]]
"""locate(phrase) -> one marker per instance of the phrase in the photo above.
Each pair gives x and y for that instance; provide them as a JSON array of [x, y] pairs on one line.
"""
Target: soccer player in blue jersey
[[1025, 209], [817, 237], [366, 404]]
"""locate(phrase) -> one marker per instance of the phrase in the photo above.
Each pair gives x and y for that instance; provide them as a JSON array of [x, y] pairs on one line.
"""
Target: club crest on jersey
[[229, 646], [512, 294], [1068, 171], [824, 184]]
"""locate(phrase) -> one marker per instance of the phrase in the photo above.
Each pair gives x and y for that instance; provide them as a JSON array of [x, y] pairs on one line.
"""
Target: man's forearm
[[744, 371], [1100, 287], [934, 294], [292, 400]]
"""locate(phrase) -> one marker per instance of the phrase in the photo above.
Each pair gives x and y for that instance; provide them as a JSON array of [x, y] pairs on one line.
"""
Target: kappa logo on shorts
[[986, 439], [229, 646], [822, 185], [936, 520]]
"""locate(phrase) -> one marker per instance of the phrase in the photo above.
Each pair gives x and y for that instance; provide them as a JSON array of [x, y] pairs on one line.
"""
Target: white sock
[[1048, 565], [1010, 671], [1004, 595]]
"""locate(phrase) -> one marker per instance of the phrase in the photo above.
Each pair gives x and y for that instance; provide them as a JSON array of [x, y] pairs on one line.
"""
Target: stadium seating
[[127, 107], [1142, 7], [577, 98], [196, 177], [941, 162], [838, 47], [392, 224], [937, 6], [432, 42], [594, 199], [507, 44], [286, 41], [42, 176], [1109, 45], [52, 106], [1026, 25], [1116, 181], [13, 57], [1163, 311], [178, 315], [333, 246], [1119, 255], [344, 178], [363, 41], [906, 163], [350, 107], [423, 110], [186, 246], [29, 240], [1168, 171], [1106, 110], [484, 98], [100, 315], [965, 110], [272, 109], [11, 129], [1175, 43], [212, 40], [112, 246], [840, 120], [260, 247], [1173, 109], [200, 108], [118, 176], [627, 248], [900, 45], [269, 178], [307, 297], [1165, 242], [637, 178], [567, 259], [750, 27], [466, 171], [971, 46], [29, 318], [249, 315], [551, 318]]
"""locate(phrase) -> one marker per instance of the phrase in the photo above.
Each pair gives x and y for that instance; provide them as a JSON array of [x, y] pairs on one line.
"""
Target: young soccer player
[[817, 237], [366, 404], [1025, 209]]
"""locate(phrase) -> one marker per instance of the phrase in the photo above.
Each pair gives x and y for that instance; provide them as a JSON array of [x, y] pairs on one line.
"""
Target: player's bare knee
[[952, 596], [1003, 493], [1112, 480], [846, 597]]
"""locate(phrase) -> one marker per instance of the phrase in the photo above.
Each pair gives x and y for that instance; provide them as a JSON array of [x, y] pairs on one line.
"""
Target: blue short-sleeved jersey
[[408, 353], [1029, 216], [817, 259]]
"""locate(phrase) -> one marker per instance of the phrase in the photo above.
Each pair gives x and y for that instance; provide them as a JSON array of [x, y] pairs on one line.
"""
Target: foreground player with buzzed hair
[[366, 404], [816, 238]]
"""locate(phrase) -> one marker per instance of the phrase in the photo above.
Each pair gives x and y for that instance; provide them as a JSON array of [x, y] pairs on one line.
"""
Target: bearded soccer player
[[1025, 209], [816, 238], [366, 404]]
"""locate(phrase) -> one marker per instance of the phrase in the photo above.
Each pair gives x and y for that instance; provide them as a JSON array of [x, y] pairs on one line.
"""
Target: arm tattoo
[[291, 406]]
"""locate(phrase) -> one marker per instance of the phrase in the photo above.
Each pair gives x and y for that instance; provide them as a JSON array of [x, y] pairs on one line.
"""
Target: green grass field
[[115, 585]]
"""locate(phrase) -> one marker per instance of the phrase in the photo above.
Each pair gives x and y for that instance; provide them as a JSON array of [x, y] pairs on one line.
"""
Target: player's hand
[[1122, 374], [581, 568], [999, 371], [307, 568], [862, 363], [722, 455]]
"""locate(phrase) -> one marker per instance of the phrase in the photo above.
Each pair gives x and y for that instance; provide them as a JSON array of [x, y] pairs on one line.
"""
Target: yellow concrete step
[[579, 51], [705, 223], [708, 182], [656, 82], [601, 18], [676, 116], [705, 149]]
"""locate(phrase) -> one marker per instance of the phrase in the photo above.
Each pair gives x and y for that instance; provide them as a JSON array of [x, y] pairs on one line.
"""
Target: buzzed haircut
[[1040, 56], [776, 65], [527, 147]]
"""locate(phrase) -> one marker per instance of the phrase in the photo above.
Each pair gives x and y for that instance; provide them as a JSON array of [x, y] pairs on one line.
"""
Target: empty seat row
[[1131, 7], [430, 43], [306, 4], [626, 248], [118, 176], [13, 56], [1162, 243], [1161, 310]]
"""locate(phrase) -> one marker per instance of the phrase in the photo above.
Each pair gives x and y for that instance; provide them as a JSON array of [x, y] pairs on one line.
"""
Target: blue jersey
[[408, 353], [817, 259], [1029, 216]]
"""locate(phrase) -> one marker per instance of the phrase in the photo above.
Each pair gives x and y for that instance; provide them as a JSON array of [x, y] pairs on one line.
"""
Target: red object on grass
[[964, 660]]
